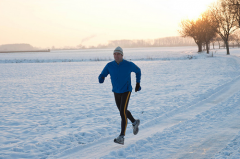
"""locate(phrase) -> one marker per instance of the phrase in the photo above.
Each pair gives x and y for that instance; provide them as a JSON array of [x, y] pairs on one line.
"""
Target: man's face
[[118, 57]]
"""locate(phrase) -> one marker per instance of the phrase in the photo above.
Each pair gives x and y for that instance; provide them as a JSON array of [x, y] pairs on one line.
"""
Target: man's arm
[[137, 70], [104, 74]]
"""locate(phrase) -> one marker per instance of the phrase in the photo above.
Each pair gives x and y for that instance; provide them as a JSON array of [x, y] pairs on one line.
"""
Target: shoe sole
[[118, 142]]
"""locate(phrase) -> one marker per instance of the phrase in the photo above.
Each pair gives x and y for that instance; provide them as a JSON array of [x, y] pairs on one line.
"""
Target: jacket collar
[[120, 62]]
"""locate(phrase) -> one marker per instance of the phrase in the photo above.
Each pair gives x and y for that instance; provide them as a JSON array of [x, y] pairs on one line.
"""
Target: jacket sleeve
[[104, 74], [137, 70]]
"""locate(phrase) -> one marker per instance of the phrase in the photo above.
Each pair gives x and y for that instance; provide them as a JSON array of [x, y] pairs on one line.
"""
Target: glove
[[101, 79], [138, 87]]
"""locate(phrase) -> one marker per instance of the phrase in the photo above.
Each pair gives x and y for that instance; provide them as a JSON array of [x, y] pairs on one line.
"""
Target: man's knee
[[123, 114], [128, 113]]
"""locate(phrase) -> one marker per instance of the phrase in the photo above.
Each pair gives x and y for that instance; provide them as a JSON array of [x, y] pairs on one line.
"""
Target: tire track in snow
[[199, 137], [105, 146], [213, 139]]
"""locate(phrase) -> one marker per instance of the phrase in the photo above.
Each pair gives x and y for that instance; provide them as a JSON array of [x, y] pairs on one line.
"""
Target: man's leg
[[127, 114], [119, 100], [124, 112]]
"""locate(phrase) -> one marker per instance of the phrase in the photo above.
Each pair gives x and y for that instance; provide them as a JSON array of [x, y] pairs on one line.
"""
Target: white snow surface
[[137, 54], [52, 105]]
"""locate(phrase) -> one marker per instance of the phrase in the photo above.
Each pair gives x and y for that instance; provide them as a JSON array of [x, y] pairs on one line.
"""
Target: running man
[[120, 72]]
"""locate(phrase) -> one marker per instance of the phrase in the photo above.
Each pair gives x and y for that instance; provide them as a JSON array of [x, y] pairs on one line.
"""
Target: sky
[[63, 23]]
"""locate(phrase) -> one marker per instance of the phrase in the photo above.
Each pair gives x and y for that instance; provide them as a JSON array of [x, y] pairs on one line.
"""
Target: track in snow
[[201, 148]]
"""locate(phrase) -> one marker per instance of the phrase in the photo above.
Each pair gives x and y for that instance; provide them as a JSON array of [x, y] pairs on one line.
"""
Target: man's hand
[[138, 87], [101, 79]]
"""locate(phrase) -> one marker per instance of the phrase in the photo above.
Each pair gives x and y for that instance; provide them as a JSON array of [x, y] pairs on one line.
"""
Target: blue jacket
[[120, 75]]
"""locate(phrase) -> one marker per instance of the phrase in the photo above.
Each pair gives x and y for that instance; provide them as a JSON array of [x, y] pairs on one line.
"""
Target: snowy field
[[52, 105], [137, 54]]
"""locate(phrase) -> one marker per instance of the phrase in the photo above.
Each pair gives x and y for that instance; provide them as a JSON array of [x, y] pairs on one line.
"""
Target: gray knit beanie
[[118, 50]]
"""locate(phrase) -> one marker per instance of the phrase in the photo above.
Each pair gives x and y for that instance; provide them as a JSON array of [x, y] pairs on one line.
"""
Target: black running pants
[[122, 100]]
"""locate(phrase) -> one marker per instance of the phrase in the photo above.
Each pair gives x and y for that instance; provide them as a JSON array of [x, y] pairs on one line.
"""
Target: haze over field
[[62, 23]]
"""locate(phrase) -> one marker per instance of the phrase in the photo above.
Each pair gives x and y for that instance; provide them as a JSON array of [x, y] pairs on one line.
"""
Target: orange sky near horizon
[[61, 23]]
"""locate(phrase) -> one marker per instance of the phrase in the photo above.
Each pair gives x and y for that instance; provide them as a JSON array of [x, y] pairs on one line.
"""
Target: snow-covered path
[[211, 137], [53, 107], [199, 131]]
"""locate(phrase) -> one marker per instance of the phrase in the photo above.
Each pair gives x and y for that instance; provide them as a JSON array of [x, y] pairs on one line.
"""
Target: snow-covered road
[[208, 126], [52, 105], [200, 130]]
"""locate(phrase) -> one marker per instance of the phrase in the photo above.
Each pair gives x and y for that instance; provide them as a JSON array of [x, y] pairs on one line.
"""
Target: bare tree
[[234, 8], [200, 30], [219, 40], [191, 28], [209, 33], [213, 42], [221, 14]]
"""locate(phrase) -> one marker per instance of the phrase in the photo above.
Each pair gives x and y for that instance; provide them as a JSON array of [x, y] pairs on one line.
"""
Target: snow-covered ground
[[137, 54], [52, 105]]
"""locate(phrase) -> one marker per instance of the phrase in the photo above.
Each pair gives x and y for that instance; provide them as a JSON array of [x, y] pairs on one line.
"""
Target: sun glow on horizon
[[62, 23]]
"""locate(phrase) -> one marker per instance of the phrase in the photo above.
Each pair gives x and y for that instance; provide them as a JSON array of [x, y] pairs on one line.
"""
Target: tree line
[[159, 42], [219, 22]]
